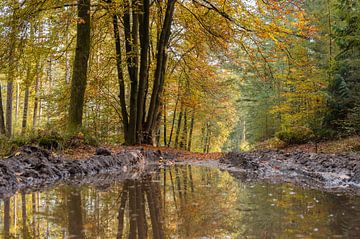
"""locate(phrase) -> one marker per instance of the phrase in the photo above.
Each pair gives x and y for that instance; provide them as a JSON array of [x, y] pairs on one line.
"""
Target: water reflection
[[180, 202]]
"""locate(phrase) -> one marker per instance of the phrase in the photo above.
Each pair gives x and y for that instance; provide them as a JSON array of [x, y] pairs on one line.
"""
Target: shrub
[[272, 143], [296, 135]]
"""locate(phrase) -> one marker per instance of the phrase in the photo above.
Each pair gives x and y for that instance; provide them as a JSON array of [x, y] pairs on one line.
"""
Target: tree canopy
[[198, 75]]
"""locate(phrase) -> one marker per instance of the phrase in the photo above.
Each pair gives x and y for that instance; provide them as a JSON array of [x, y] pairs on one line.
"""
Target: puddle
[[181, 202]]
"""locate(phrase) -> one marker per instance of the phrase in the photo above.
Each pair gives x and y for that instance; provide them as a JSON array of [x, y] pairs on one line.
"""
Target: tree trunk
[[25, 110], [164, 122], [131, 46], [11, 75], [17, 104], [140, 126], [50, 79], [120, 75], [173, 120], [143, 74], [80, 67], [37, 94], [9, 102], [183, 141], [161, 59], [191, 130], [178, 128], [2, 121]]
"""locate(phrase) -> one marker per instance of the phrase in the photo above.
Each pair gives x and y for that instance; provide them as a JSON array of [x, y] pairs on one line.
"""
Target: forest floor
[[338, 146]]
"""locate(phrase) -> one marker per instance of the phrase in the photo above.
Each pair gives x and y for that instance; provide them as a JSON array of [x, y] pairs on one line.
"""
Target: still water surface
[[181, 202]]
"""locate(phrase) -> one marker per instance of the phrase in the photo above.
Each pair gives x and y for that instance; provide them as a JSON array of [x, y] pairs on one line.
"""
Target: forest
[[199, 75]]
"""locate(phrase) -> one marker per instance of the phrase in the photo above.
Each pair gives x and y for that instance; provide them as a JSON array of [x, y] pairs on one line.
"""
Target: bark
[[2, 120], [120, 75], [80, 67], [191, 130]]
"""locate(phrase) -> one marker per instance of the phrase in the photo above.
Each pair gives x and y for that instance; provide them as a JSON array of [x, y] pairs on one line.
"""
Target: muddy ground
[[33, 168], [330, 172]]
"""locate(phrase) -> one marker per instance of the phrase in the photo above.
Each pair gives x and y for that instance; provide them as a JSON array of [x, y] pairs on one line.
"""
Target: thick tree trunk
[[2, 121], [80, 67]]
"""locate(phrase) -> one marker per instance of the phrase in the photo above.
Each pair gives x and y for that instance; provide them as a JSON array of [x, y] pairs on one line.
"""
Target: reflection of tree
[[193, 203], [138, 193], [76, 229], [24, 215], [6, 218]]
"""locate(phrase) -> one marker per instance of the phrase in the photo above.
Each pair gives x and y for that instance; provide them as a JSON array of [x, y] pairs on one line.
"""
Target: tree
[[2, 121], [80, 66]]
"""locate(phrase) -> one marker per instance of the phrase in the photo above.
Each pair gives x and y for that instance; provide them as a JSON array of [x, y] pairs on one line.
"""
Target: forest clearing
[[179, 119]]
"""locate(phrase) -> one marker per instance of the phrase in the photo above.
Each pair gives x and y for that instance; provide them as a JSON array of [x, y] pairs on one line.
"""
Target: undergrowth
[[47, 139]]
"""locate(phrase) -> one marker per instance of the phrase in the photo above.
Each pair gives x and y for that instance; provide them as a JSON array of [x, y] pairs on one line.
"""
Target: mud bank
[[331, 172], [35, 168]]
